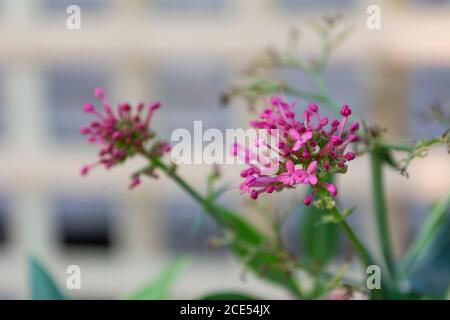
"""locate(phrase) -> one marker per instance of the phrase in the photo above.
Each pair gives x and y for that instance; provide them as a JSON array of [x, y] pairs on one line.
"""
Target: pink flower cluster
[[310, 149], [120, 133]]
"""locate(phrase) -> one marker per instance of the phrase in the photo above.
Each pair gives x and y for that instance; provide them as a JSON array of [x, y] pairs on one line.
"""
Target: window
[[314, 4], [430, 3], [83, 221], [188, 228], [189, 5], [428, 86], [4, 223], [69, 87], [190, 91], [85, 5]]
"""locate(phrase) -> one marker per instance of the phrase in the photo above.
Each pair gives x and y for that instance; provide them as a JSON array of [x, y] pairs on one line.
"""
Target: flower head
[[307, 152], [121, 133]]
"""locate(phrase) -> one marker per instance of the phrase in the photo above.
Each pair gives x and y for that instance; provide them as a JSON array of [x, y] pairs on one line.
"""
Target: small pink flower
[[354, 126], [300, 139], [99, 93], [135, 181], [121, 134], [291, 176], [88, 108], [346, 111], [307, 200], [330, 188], [305, 143], [308, 177], [350, 156], [84, 170], [85, 130]]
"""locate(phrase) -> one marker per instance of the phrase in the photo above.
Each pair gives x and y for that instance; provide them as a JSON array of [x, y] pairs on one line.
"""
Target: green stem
[[398, 147], [357, 245], [247, 239], [360, 249], [379, 206], [183, 184]]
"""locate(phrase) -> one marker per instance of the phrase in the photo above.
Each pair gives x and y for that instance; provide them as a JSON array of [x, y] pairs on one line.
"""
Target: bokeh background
[[185, 53]]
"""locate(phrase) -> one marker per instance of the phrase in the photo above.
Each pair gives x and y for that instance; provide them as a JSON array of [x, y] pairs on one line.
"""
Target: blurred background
[[185, 53]]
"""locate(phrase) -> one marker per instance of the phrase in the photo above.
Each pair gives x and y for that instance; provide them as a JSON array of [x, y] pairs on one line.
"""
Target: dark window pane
[[4, 223], [190, 5], [430, 3], [190, 91], [85, 5], [314, 4], [83, 222], [69, 87]]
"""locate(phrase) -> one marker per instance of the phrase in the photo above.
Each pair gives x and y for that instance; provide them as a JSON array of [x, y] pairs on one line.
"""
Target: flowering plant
[[312, 151], [318, 152]]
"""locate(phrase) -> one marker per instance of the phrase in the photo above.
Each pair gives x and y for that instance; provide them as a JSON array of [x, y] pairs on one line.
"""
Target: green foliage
[[158, 288], [431, 276], [242, 231], [252, 248], [428, 262], [318, 240], [437, 217], [43, 286], [229, 295]]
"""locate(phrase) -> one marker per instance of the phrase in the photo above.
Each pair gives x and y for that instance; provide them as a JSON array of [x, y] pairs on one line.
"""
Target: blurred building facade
[[184, 53]]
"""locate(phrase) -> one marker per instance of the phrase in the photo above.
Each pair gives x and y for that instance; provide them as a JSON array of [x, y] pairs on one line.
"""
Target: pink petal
[[312, 179], [306, 136], [294, 134], [330, 188], [290, 166], [312, 167], [299, 175], [284, 178], [308, 199], [297, 145]]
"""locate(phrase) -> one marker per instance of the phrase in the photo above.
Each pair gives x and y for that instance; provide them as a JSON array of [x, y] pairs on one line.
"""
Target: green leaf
[[249, 245], [43, 286], [228, 295], [317, 239], [241, 229], [433, 223], [431, 274], [158, 288]]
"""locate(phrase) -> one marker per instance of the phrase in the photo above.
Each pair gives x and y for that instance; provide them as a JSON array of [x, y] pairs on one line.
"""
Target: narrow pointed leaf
[[43, 286], [159, 287]]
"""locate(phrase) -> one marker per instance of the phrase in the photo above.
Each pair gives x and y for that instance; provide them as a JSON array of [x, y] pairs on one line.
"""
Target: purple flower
[[308, 152], [300, 139], [291, 176], [120, 134]]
